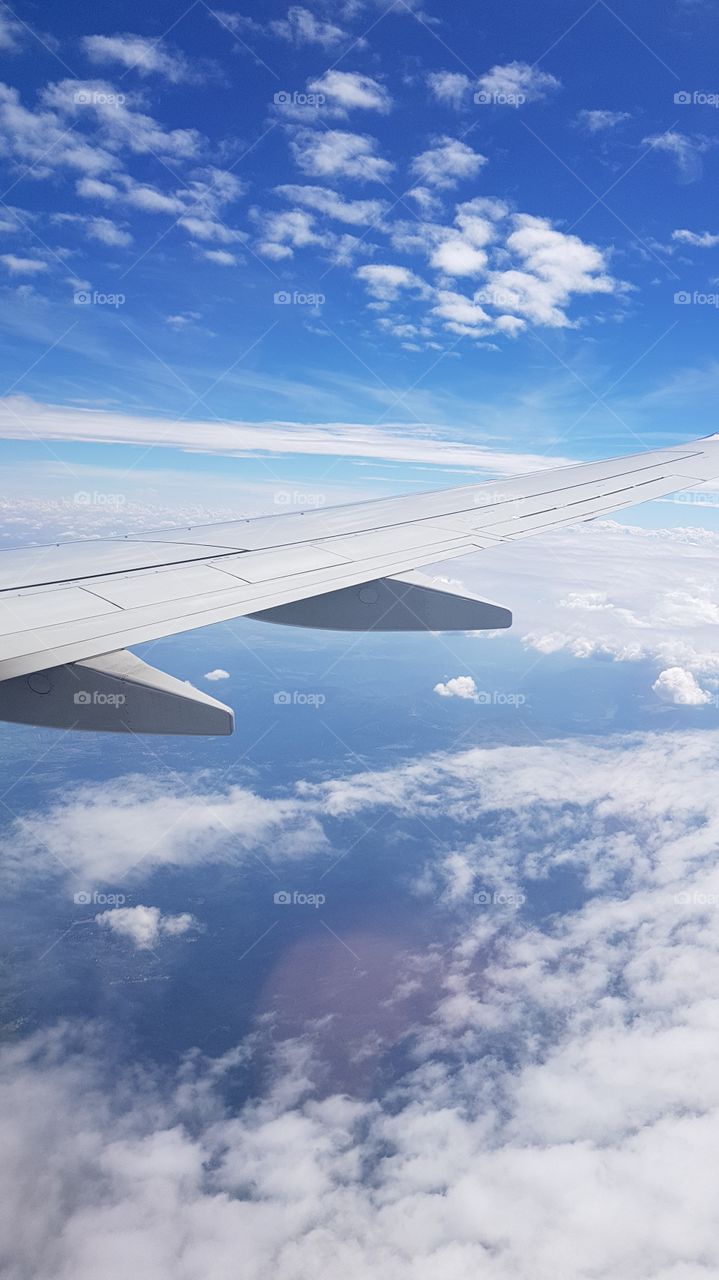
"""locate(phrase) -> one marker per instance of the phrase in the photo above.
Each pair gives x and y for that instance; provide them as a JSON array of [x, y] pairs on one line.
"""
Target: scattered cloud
[[145, 927], [143, 55], [23, 266], [300, 27], [516, 82], [351, 91], [220, 257], [699, 240], [685, 151], [217, 674], [386, 281], [598, 1020], [452, 88], [681, 688], [11, 33], [601, 121], [336, 153], [108, 232], [334, 205], [458, 687], [447, 162]]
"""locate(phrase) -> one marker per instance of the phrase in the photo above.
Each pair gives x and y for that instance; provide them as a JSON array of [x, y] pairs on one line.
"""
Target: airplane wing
[[69, 612]]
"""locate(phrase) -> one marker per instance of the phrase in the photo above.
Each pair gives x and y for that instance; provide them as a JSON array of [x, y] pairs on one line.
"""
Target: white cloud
[[350, 90], [140, 54], [681, 688], [600, 121], [458, 687], [518, 82], [386, 281], [684, 150], [23, 266], [558, 1068], [145, 926], [11, 33], [155, 825], [108, 232], [301, 26], [208, 228], [334, 152], [217, 674], [287, 231], [461, 314], [447, 162], [324, 200], [182, 320], [450, 87], [21, 416], [457, 258], [220, 257], [700, 240], [94, 189]]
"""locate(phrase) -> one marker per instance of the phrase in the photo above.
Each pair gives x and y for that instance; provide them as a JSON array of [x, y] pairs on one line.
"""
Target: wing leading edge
[[347, 567]]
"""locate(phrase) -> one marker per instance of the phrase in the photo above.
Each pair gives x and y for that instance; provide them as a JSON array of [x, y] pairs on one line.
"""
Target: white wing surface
[[347, 567]]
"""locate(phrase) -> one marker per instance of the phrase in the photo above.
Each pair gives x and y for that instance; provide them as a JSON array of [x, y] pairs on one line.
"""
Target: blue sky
[[495, 215]]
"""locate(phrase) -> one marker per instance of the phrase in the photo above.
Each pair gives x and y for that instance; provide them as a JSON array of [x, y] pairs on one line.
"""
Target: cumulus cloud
[[447, 162], [458, 687], [350, 90], [144, 926], [681, 688], [108, 232], [218, 673], [517, 82], [450, 87], [335, 152], [385, 281]]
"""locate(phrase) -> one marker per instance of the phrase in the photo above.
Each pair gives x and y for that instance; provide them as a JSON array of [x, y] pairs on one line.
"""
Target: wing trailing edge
[[402, 603]]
